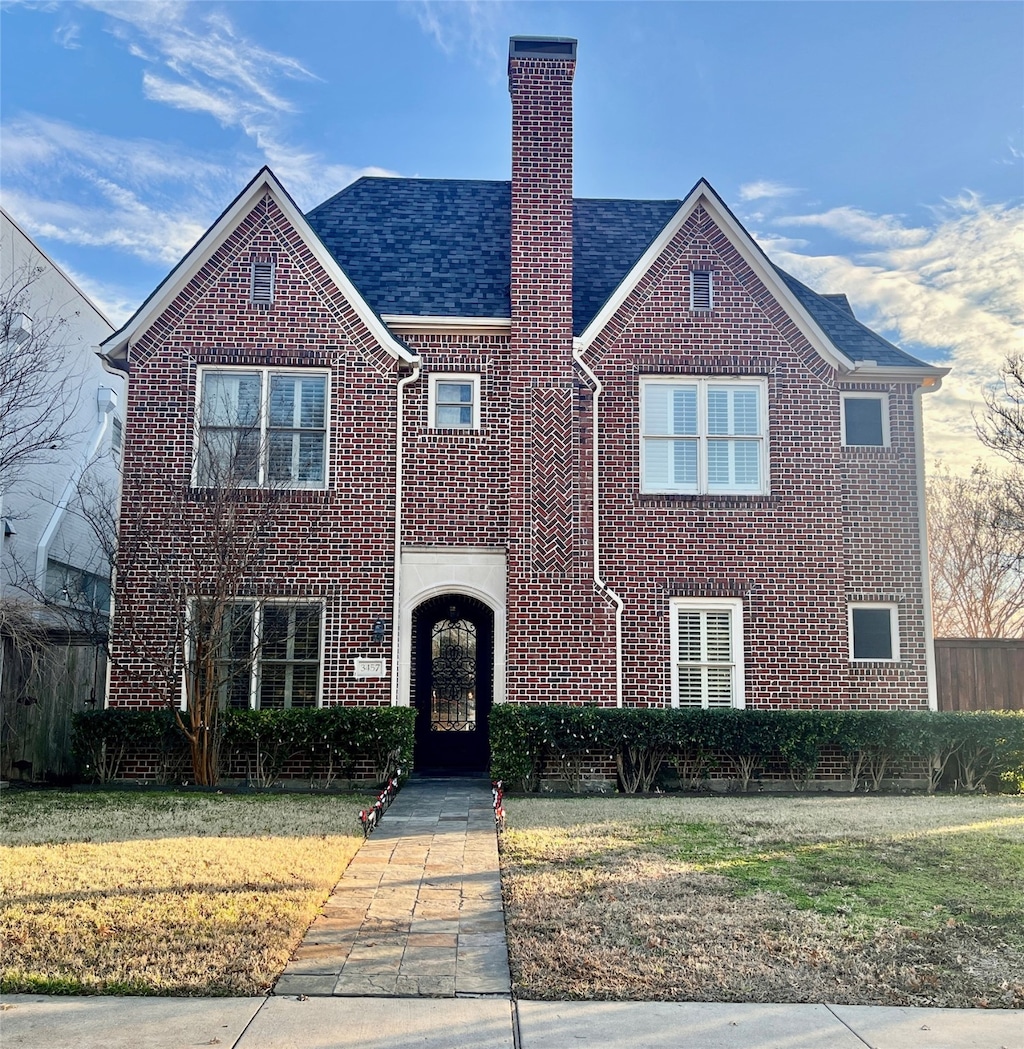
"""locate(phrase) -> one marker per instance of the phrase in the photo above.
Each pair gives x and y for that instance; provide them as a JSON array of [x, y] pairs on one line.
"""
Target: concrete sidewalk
[[35, 1022], [409, 953]]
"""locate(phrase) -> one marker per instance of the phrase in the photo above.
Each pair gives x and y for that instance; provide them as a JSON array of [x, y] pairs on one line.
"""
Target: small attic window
[[261, 290], [700, 290]]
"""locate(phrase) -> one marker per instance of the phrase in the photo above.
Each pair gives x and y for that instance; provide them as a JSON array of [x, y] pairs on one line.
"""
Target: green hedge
[[968, 750], [333, 739]]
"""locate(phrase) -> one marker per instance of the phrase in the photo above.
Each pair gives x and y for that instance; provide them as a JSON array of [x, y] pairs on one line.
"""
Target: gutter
[[396, 603], [604, 588]]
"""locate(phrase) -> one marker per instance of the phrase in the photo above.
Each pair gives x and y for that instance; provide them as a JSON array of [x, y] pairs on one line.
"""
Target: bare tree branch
[[38, 388], [976, 553]]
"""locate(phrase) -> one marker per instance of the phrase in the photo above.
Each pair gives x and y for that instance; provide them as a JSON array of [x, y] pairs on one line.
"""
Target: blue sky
[[871, 148]]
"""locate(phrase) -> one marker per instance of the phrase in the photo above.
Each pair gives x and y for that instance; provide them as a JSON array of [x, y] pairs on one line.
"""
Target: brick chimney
[[544, 430], [540, 73]]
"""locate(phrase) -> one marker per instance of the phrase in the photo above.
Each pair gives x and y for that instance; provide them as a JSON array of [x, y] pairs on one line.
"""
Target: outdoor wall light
[[378, 631]]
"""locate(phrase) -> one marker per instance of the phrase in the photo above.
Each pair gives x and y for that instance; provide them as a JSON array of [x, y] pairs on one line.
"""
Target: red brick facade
[[835, 524]]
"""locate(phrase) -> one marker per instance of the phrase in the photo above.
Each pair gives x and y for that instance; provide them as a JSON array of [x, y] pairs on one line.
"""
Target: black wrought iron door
[[453, 683]]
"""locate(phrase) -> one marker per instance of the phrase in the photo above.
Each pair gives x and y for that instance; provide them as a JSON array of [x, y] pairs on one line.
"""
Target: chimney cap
[[542, 47]]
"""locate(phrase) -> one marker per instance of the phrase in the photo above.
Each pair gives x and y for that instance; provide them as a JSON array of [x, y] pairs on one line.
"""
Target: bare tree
[[975, 554], [188, 564], [1002, 428], [38, 391]]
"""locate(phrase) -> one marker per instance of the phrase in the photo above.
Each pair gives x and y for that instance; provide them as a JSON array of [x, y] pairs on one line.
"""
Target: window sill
[[259, 495], [705, 502]]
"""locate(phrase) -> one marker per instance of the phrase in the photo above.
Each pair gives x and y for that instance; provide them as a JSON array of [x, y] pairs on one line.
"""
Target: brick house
[[521, 447]]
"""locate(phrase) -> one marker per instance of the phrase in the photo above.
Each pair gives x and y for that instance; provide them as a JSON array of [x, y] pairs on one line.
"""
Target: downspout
[[922, 521], [396, 606], [598, 581], [106, 402]]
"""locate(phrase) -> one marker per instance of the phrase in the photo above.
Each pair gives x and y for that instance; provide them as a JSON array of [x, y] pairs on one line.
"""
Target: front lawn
[[164, 893], [853, 900]]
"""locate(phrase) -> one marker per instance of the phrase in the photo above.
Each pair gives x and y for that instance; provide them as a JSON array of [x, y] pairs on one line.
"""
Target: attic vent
[[700, 290], [262, 289]]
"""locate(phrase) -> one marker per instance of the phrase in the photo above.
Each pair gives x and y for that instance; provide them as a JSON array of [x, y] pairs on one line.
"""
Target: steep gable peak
[[264, 184]]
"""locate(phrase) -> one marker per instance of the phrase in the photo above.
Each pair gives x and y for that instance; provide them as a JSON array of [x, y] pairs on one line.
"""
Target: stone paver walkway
[[418, 912]]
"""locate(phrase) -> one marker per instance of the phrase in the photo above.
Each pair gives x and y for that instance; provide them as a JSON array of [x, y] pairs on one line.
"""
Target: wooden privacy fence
[[980, 673]]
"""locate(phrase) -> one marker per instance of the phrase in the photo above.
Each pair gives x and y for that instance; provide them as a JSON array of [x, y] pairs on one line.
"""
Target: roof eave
[[117, 345], [752, 254]]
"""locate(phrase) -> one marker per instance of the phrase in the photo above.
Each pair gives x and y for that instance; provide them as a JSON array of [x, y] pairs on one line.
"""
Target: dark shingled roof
[[440, 248], [857, 341]]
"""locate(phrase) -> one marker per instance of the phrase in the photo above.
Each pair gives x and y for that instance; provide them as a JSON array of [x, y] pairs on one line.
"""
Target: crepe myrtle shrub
[[102, 739]]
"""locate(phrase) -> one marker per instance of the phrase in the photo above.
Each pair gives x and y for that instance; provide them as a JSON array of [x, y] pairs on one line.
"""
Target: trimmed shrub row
[[332, 739], [971, 748]]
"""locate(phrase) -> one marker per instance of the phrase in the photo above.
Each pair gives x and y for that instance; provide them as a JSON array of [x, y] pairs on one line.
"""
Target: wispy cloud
[[67, 34], [860, 226], [765, 190], [951, 290], [152, 200], [469, 27]]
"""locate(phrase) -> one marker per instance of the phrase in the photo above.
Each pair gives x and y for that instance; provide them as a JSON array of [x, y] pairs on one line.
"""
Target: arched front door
[[453, 683]]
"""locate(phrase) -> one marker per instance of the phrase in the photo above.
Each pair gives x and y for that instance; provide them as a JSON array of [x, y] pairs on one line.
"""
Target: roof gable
[[116, 347], [441, 248]]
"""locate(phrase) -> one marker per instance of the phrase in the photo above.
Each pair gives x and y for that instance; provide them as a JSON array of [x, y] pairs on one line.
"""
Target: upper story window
[[454, 402], [261, 428], [703, 436], [707, 652], [701, 297], [116, 436], [865, 420], [874, 632]]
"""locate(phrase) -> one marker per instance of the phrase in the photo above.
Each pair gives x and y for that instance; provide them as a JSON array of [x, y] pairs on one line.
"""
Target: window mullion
[[702, 442], [264, 449]]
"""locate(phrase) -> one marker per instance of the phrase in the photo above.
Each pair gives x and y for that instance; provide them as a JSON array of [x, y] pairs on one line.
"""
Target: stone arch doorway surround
[[476, 573]]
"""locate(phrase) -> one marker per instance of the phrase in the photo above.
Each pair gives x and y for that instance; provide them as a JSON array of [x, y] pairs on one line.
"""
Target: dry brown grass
[[161, 893], [896, 901]]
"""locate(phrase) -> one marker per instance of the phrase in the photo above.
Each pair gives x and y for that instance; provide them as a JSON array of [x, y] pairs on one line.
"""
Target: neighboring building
[[54, 577], [520, 447]]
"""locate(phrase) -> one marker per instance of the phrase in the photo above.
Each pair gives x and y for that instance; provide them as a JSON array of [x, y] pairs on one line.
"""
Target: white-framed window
[[268, 655], [454, 401], [865, 420], [701, 290], [261, 427], [874, 631], [707, 652], [703, 436], [77, 587]]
